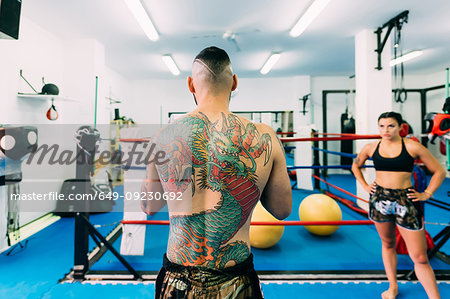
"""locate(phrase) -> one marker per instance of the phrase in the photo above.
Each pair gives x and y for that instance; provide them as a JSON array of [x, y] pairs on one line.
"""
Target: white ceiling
[[326, 48]]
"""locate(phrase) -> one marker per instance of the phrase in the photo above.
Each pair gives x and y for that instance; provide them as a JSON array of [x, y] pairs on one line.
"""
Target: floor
[[34, 270]]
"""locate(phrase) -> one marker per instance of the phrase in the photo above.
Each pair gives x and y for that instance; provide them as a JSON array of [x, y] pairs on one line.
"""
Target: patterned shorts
[[177, 281], [393, 205]]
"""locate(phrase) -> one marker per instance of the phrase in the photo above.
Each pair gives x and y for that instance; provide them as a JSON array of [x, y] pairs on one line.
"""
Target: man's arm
[[150, 187], [277, 195]]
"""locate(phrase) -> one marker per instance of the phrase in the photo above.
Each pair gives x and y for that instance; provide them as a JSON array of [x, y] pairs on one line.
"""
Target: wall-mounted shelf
[[44, 97]]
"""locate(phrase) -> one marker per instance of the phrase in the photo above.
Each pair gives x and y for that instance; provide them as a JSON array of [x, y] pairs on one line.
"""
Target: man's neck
[[212, 105]]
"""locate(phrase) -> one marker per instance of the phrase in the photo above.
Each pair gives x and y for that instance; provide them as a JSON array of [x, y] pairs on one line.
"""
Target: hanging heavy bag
[[348, 127]]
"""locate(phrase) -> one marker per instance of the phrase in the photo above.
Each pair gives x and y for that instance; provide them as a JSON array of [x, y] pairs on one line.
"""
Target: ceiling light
[[171, 64], [143, 19], [270, 63], [310, 14], [405, 57]]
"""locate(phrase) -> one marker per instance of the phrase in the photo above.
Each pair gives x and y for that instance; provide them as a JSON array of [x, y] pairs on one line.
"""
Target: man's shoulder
[[265, 127], [262, 128]]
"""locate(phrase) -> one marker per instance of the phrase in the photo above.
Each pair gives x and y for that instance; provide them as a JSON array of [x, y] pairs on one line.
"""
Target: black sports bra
[[403, 162]]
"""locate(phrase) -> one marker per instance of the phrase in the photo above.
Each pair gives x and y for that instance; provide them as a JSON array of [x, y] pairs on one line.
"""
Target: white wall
[[268, 94], [70, 64], [147, 97]]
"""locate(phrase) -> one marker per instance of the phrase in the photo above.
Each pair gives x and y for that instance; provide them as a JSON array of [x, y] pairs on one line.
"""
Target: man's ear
[[190, 82], [235, 82]]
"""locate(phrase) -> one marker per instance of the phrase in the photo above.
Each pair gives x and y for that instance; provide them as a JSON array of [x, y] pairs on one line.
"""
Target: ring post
[[303, 156], [133, 236]]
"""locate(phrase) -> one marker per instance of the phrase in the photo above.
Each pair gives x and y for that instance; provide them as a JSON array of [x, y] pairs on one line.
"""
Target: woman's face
[[389, 128]]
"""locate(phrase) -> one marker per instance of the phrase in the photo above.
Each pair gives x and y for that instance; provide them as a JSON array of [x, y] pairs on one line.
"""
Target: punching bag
[[347, 127]]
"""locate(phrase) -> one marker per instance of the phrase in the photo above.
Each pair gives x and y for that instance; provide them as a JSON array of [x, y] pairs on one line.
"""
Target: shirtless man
[[221, 165]]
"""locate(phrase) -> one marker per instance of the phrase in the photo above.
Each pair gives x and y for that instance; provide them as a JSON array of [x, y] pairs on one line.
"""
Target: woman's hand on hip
[[371, 188], [418, 196]]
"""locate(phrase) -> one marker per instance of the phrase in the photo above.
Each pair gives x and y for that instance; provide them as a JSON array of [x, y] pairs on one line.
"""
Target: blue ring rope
[[325, 167], [336, 153]]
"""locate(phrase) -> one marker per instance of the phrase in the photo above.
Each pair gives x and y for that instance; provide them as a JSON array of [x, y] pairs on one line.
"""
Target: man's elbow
[[283, 214], [284, 210], [146, 208]]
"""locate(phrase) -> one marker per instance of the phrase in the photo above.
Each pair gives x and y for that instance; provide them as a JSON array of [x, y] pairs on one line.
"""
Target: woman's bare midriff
[[393, 180]]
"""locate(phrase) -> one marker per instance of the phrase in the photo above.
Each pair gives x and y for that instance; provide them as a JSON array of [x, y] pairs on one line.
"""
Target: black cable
[[440, 201], [437, 205]]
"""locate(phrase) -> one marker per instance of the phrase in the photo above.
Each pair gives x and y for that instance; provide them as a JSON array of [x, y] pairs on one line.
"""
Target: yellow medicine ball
[[320, 207], [264, 236]]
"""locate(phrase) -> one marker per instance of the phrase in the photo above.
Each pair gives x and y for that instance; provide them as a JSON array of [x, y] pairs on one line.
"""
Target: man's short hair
[[215, 60]]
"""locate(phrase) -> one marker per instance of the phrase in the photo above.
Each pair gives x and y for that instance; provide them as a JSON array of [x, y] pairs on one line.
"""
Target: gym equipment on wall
[[52, 114], [47, 88], [400, 94], [16, 143], [50, 89], [439, 125], [396, 22], [305, 99]]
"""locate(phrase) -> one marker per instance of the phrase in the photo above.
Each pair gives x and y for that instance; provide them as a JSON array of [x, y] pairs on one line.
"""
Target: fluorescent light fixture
[[143, 19], [171, 64], [405, 57], [306, 19], [270, 63]]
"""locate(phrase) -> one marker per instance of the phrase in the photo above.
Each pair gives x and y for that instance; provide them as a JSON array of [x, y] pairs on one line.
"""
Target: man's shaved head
[[212, 66]]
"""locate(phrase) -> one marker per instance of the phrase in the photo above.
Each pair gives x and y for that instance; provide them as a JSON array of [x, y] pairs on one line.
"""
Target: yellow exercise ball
[[320, 207], [264, 236]]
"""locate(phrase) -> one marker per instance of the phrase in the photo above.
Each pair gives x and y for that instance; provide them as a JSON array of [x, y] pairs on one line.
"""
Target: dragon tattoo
[[221, 160]]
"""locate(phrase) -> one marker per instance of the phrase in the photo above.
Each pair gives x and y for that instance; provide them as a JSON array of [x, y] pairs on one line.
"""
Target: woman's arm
[[356, 168], [434, 166]]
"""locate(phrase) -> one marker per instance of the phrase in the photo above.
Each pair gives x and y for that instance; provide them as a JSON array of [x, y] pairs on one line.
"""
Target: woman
[[394, 202]]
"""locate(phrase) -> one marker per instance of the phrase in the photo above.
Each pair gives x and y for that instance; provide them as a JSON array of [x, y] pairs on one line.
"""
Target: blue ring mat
[[307, 290], [34, 271], [355, 248]]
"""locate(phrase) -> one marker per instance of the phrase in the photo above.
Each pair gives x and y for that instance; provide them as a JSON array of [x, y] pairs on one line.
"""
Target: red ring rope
[[290, 139], [294, 139], [340, 189], [335, 134], [134, 139], [347, 203], [284, 223]]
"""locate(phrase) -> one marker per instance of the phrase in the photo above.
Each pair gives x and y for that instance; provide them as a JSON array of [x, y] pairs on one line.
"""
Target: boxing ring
[[350, 255]]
